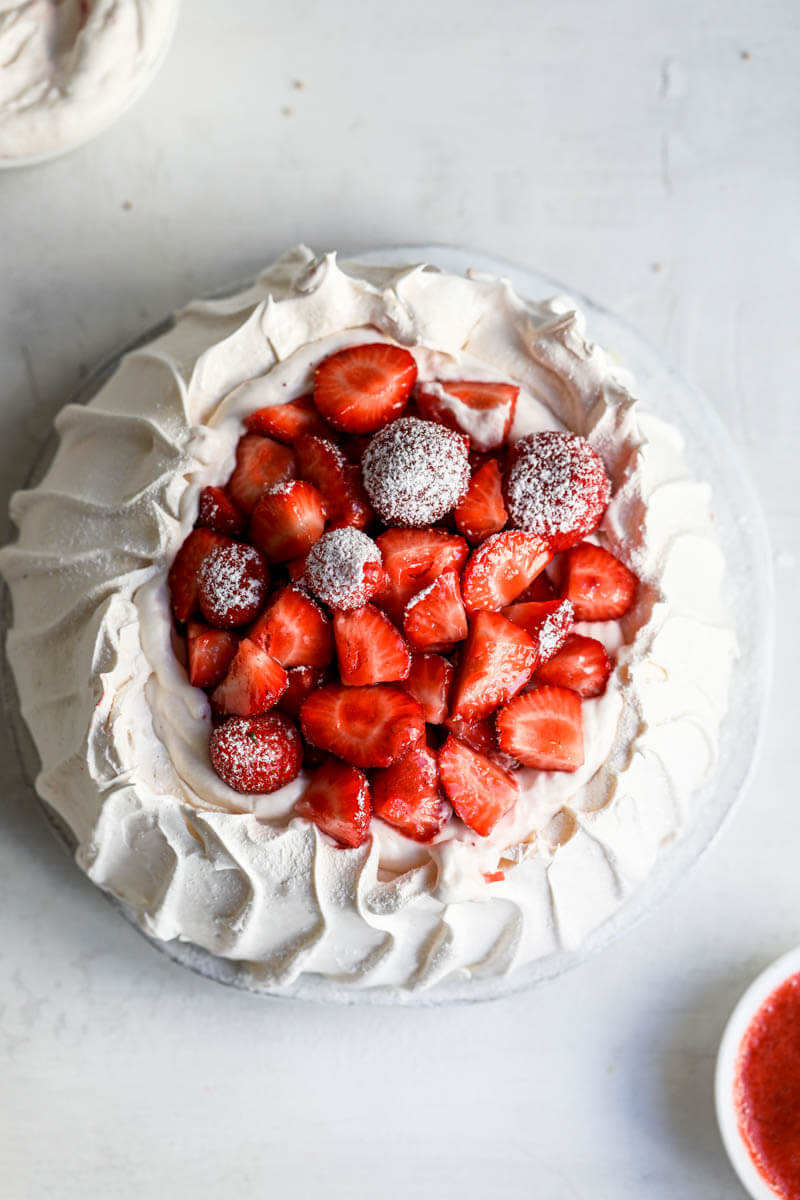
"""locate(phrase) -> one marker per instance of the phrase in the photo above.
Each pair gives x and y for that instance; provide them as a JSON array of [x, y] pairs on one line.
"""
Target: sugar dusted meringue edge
[[122, 736]]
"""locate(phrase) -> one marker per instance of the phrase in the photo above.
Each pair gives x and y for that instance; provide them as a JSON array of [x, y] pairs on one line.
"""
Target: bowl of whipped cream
[[70, 68]]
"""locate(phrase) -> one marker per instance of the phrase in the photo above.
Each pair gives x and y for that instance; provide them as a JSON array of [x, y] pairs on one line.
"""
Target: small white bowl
[[738, 1023]]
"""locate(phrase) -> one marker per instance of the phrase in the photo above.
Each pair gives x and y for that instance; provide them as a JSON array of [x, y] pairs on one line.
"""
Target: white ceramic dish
[[744, 539], [761, 987]]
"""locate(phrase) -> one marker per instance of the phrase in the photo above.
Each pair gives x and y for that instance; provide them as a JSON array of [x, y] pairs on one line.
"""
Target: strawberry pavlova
[[368, 630]]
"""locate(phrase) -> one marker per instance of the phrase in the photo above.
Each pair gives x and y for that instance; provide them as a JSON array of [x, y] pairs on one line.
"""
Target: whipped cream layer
[[69, 67], [123, 737]]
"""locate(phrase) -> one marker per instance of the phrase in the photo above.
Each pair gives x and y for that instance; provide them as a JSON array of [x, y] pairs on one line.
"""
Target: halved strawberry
[[477, 733], [322, 463], [501, 568], [362, 388], [544, 729], [600, 587], [350, 504], [406, 795], [581, 664], [337, 800], [482, 511], [429, 682], [547, 621], [261, 463], [211, 652], [369, 648], [496, 663], [479, 790], [366, 726], [480, 408], [556, 487], [254, 682], [217, 511], [294, 630], [287, 421], [540, 590], [412, 560], [231, 585], [287, 520], [301, 683], [182, 578], [256, 754], [436, 617]]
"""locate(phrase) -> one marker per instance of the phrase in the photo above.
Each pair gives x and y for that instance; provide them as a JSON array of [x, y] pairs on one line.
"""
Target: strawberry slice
[[254, 682], [337, 800], [369, 648], [261, 463], [351, 505], [482, 511], [366, 726], [218, 512], [479, 790], [406, 795], [497, 661], [362, 388], [600, 587], [429, 682], [338, 481], [287, 422], [294, 630], [478, 734], [231, 585], [502, 568], [412, 560], [287, 520], [581, 664], [547, 621], [436, 617], [544, 729], [301, 683], [182, 578], [256, 754], [211, 652], [482, 409], [557, 487], [541, 589]]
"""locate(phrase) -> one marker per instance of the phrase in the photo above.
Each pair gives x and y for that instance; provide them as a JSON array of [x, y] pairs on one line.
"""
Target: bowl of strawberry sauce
[[758, 1083]]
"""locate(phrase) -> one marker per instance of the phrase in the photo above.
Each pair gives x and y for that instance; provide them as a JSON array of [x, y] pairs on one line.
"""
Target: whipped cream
[[69, 67], [123, 737]]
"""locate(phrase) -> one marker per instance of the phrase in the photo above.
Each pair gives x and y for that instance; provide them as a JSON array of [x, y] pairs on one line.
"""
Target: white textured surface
[[639, 157]]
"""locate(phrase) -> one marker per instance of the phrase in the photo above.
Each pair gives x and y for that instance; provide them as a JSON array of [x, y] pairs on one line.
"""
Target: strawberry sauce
[[767, 1089]]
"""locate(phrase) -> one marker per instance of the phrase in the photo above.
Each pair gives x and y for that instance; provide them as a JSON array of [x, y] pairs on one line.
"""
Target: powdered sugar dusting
[[256, 754], [233, 584], [335, 568], [554, 630], [556, 486], [415, 472]]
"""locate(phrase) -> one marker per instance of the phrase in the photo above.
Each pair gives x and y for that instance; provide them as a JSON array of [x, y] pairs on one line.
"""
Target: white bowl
[[738, 1023]]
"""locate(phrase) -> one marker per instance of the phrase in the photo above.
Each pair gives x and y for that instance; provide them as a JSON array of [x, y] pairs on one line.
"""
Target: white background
[[645, 152]]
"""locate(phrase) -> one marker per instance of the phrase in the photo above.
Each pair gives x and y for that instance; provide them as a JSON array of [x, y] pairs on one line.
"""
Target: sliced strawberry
[[337, 800], [436, 617], [261, 463], [412, 560], [556, 487], [287, 520], [540, 590], [296, 568], [494, 876], [501, 568], [480, 408], [497, 661], [366, 726], [294, 630], [254, 682], [581, 664], [301, 683], [547, 621], [478, 733], [350, 504], [479, 790], [256, 754], [482, 511], [369, 648], [338, 481], [217, 511], [287, 422], [211, 652], [544, 729], [600, 587], [362, 388], [182, 578], [407, 796], [231, 585], [429, 682], [344, 569]]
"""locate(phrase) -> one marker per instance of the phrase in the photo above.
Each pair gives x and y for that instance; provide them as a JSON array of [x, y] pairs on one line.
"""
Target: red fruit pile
[[411, 667]]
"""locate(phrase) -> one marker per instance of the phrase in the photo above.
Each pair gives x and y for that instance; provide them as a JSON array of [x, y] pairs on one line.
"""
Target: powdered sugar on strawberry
[[556, 487], [415, 472], [337, 568]]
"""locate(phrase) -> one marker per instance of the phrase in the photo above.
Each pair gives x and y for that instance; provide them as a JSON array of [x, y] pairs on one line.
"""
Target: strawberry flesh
[[261, 463], [182, 579], [287, 521], [217, 511], [254, 682], [480, 791], [547, 621], [337, 800], [480, 408], [362, 388], [407, 795], [581, 664], [368, 647], [429, 682], [294, 630], [301, 683], [436, 618], [497, 661], [543, 728], [482, 511], [366, 726], [502, 567], [211, 652], [287, 422], [413, 559], [599, 586]]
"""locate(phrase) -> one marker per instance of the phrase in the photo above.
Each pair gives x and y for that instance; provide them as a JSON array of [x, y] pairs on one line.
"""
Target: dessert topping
[[344, 569], [256, 754], [361, 388], [557, 487], [415, 472]]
